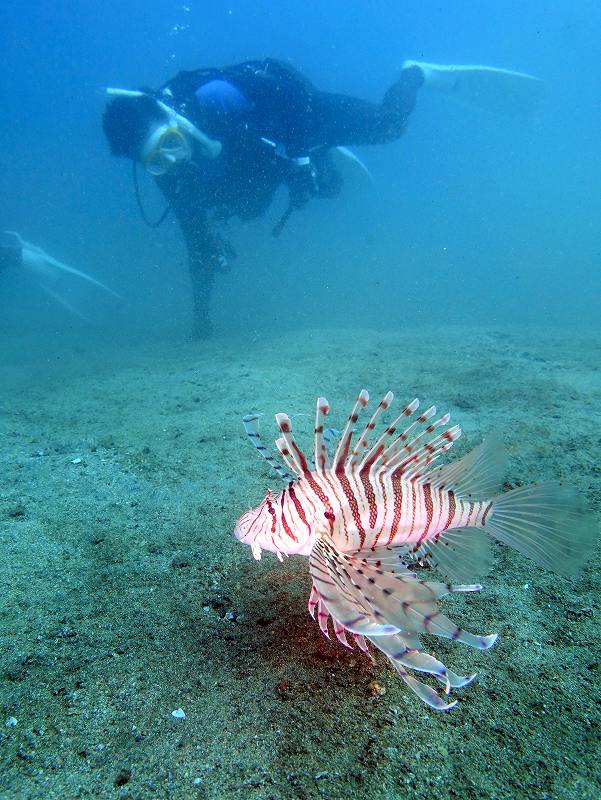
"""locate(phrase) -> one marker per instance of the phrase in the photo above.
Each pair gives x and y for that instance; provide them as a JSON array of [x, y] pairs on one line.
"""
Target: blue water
[[470, 218], [124, 465]]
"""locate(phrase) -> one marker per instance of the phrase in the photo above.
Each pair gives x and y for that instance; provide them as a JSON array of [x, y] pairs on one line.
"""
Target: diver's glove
[[302, 181]]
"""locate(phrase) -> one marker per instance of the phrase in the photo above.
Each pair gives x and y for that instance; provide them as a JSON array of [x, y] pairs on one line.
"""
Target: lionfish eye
[[329, 515]]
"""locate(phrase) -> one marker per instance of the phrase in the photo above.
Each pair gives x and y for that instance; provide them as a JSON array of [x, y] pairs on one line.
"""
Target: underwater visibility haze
[[214, 213]]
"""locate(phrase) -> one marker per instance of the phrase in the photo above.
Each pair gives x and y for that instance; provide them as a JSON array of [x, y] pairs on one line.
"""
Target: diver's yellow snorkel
[[169, 144]]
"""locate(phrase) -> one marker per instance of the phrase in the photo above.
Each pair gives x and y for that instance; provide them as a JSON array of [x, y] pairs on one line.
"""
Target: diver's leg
[[201, 276], [343, 120], [182, 195], [194, 228], [208, 254]]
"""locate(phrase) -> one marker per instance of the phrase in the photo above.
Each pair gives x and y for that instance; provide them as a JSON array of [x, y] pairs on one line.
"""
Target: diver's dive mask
[[164, 148], [171, 143]]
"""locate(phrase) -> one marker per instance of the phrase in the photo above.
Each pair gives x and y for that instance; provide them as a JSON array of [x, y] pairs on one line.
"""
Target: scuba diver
[[220, 141]]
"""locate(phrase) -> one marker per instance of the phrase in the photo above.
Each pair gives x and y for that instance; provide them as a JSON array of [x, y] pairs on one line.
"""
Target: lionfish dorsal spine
[[321, 458], [346, 436], [294, 457], [378, 447], [363, 441]]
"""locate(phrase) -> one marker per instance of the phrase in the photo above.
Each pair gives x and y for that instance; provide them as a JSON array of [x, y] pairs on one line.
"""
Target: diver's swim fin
[[62, 301], [343, 158], [78, 273], [39, 262], [502, 90]]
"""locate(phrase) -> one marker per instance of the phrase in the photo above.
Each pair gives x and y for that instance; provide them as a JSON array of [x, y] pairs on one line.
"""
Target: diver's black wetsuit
[[275, 128]]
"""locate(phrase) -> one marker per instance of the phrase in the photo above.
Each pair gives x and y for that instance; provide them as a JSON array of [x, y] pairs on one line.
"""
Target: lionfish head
[[258, 527]]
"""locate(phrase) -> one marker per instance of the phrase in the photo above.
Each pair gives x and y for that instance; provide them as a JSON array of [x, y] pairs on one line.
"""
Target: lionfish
[[374, 510]]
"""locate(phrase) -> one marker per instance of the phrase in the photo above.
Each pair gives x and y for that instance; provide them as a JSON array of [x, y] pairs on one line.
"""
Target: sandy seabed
[[125, 596]]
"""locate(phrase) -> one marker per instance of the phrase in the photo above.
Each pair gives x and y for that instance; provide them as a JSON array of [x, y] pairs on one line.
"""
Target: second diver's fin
[[72, 271], [34, 255], [504, 91], [346, 160], [62, 301]]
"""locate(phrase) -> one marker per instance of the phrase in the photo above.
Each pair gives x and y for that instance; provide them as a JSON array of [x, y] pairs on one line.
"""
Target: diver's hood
[[209, 148]]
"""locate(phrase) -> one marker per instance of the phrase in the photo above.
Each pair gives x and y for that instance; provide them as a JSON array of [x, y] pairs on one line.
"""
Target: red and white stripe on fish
[[366, 513]]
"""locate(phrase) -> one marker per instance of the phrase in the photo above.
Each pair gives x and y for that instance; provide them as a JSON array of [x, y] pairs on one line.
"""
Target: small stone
[[16, 511], [180, 561], [76, 460], [376, 689], [123, 777], [178, 713]]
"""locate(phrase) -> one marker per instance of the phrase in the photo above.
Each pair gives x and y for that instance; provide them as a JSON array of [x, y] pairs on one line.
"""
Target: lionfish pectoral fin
[[402, 657], [372, 601], [389, 608], [336, 591], [478, 475], [461, 554], [548, 522]]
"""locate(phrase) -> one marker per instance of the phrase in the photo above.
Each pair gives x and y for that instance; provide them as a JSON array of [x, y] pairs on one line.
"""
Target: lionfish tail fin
[[547, 522], [387, 604]]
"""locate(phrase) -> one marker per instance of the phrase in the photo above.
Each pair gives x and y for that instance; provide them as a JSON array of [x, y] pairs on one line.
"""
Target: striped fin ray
[[414, 465], [339, 596], [401, 656], [390, 608], [347, 434], [363, 442], [329, 435], [395, 600], [419, 450], [401, 443], [251, 426], [321, 458], [386, 436], [339, 629], [289, 450], [386, 557], [410, 605], [479, 474]]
